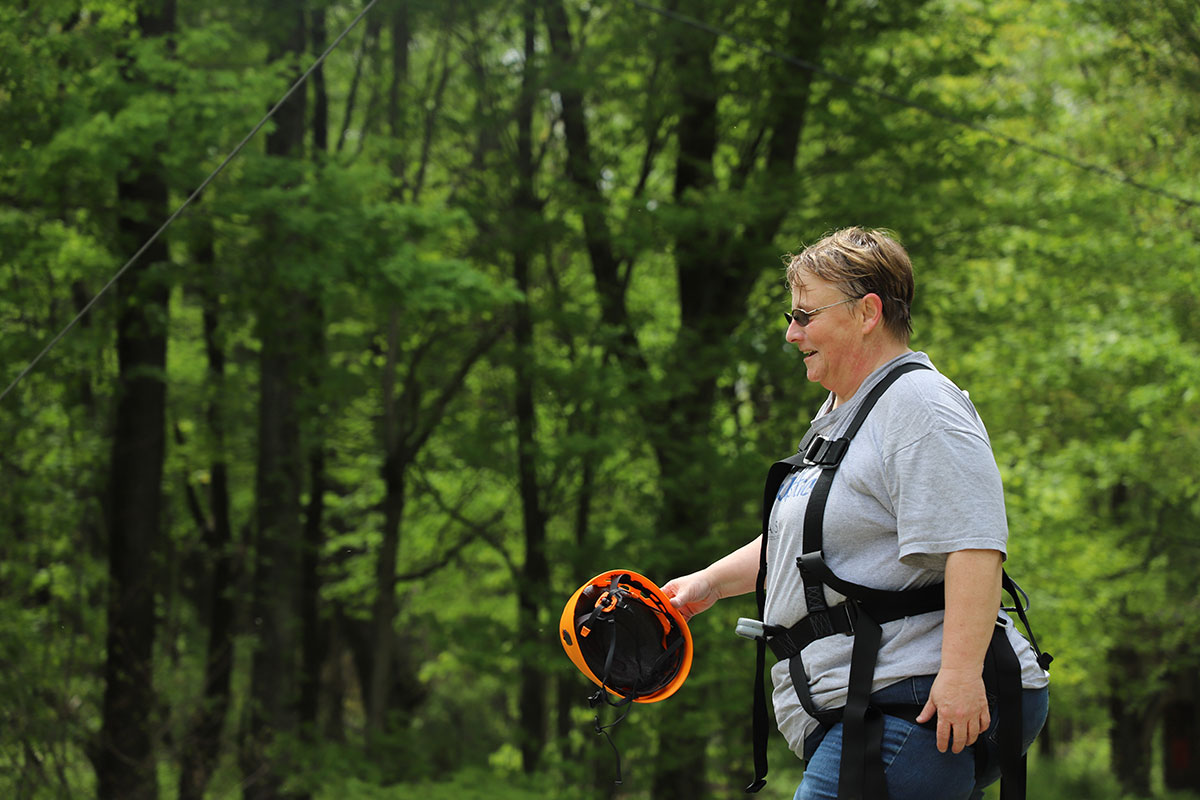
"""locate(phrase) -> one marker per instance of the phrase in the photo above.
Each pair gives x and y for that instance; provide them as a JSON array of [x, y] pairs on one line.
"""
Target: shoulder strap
[[828, 456]]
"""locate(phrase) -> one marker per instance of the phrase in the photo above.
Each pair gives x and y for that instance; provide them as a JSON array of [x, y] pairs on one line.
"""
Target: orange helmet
[[622, 632]]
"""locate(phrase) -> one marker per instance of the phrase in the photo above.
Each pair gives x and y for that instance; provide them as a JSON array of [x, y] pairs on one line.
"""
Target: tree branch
[[370, 39], [432, 414], [479, 530]]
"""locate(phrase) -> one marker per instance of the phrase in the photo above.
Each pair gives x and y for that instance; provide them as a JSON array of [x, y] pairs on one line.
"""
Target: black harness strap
[[861, 773], [1002, 670], [827, 454], [775, 476], [862, 727]]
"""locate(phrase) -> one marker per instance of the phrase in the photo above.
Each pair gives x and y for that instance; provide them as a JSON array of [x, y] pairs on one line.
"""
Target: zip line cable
[[892, 97], [232, 154]]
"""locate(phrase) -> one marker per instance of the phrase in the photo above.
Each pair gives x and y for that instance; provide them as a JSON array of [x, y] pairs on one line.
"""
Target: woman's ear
[[871, 308]]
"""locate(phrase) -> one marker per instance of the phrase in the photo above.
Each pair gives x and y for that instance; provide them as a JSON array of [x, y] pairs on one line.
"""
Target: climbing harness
[[622, 632], [862, 615]]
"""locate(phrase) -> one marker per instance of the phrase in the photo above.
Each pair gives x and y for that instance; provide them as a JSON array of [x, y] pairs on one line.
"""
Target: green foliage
[[1062, 299]]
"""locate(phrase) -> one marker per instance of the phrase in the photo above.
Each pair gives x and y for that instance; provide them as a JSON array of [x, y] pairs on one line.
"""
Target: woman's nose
[[794, 332]]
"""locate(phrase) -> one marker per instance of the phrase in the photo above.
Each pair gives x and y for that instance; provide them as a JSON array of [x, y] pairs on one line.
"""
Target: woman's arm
[[972, 606], [732, 575]]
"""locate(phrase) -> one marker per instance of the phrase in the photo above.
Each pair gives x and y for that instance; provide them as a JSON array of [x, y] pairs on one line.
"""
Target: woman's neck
[[870, 361]]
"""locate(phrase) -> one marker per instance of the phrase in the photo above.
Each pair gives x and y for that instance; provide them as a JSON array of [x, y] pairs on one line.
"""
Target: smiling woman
[[861, 262], [865, 282], [895, 545]]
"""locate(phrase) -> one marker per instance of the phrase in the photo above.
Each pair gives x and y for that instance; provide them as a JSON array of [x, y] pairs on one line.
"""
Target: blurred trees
[[492, 306], [124, 755]]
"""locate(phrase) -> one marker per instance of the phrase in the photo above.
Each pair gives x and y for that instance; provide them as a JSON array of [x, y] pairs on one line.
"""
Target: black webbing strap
[[775, 476], [881, 606], [827, 454], [1002, 674], [1002, 670], [1021, 605], [861, 770], [612, 598], [861, 774]]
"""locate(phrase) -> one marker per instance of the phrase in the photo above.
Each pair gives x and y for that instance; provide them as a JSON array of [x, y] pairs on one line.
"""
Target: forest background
[[492, 305]]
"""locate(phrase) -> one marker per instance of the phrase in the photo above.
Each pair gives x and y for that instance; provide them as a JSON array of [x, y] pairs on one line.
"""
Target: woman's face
[[831, 343]]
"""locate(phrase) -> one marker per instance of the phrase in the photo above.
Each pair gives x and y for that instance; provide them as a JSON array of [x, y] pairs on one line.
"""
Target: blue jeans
[[914, 768]]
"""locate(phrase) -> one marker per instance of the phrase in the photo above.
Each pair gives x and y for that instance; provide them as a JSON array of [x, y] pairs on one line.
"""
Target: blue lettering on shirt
[[798, 484]]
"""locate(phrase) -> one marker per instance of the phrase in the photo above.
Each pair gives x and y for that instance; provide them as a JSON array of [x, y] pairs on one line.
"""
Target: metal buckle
[[851, 615], [824, 452]]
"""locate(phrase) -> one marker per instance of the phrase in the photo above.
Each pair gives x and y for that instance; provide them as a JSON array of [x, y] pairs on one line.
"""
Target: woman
[[917, 501]]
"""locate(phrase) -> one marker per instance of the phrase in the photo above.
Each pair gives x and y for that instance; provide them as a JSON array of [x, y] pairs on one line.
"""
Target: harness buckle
[[810, 564], [824, 452], [851, 607]]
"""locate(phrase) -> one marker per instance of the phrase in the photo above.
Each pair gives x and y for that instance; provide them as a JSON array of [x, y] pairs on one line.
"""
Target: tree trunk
[[125, 767], [204, 739], [1131, 723], [401, 30], [313, 636], [1181, 733], [585, 176], [313, 631], [397, 458], [535, 571], [275, 615], [275, 608], [383, 615], [320, 115], [124, 756]]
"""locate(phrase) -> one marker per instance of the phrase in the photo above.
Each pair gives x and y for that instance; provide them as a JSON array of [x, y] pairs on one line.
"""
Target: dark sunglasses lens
[[798, 316]]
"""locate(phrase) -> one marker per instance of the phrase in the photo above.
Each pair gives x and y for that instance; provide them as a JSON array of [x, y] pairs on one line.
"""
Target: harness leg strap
[[760, 720], [861, 775], [1010, 726]]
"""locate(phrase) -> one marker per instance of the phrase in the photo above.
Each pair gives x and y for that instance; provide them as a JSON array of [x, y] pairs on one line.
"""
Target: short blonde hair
[[862, 261]]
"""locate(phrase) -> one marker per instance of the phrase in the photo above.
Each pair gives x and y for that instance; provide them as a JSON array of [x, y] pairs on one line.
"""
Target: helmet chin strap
[[601, 695], [612, 598]]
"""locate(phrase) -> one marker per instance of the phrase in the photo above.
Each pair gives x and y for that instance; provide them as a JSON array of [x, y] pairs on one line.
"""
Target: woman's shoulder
[[924, 402]]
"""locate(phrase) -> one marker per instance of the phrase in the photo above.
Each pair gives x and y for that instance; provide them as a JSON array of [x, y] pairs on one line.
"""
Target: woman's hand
[[972, 606], [960, 702], [727, 577], [691, 594]]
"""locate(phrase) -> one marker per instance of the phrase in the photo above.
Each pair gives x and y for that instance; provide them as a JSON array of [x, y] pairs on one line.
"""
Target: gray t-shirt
[[918, 481]]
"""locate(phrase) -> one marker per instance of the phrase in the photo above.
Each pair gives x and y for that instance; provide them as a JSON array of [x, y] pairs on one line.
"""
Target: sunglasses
[[802, 317]]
